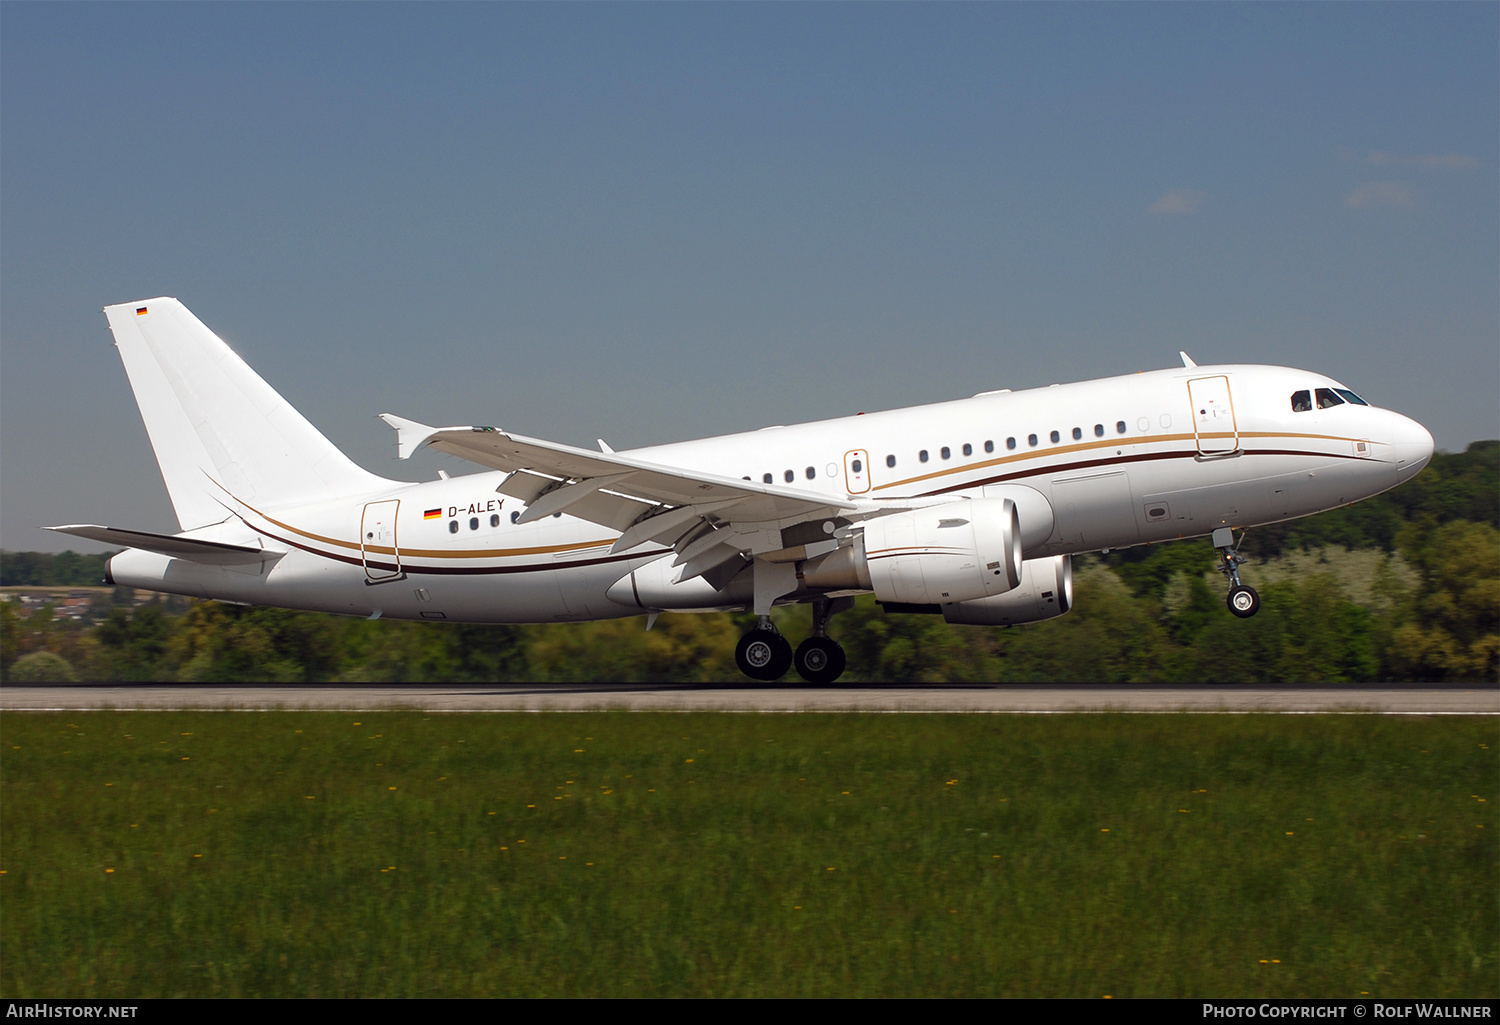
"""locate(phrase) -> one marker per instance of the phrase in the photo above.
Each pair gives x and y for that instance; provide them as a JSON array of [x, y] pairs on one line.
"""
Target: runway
[[976, 698]]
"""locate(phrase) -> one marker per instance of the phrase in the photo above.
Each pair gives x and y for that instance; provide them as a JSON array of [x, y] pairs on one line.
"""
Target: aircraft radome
[[970, 509]]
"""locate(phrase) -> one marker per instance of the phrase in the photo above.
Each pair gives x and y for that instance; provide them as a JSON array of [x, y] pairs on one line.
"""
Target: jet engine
[[958, 552], [1045, 592]]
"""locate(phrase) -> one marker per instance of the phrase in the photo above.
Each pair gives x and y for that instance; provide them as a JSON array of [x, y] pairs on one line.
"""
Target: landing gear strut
[[1242, 600]]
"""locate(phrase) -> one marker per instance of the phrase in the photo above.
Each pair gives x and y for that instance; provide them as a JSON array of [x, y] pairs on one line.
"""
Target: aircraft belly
[[545, 594], [1230, 500]]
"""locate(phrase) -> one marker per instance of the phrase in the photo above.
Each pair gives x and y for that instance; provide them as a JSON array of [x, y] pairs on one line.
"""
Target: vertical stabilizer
[[211, 418]]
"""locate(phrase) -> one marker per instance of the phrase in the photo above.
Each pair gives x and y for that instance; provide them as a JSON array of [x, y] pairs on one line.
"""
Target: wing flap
[[612, 511]]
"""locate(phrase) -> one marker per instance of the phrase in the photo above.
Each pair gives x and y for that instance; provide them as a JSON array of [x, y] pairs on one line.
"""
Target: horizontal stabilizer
[[175, 546]]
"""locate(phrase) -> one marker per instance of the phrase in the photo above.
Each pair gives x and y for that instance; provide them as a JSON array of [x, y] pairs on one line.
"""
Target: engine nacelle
[[957, 552], [1045, 592]]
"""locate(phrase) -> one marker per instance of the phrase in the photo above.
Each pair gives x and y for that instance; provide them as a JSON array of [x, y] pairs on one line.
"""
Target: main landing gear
[[763, 654], [1242, 600]]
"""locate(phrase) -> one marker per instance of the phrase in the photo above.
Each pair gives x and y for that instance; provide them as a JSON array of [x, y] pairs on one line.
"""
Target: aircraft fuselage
[[1090, 466]]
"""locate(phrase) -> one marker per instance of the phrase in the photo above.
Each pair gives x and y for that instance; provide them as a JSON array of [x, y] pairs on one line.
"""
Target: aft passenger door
[[1213, 415], [377, 542]]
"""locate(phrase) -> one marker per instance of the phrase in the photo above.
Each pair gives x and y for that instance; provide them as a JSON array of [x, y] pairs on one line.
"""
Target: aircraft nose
[[1413, 447]]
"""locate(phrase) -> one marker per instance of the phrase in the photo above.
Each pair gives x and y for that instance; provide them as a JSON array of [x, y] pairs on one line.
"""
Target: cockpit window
[[1326, 398], [1349, 395], [1301, 401]]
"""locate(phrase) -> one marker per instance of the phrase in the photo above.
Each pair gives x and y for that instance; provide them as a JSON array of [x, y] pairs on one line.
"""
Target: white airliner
[[970, 508]]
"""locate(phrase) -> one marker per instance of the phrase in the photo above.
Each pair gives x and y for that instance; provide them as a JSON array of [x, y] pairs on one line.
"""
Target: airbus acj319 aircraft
[[970, 509]]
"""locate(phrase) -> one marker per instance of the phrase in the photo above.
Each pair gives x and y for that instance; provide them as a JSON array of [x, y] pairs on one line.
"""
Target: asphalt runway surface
[[978, 698]]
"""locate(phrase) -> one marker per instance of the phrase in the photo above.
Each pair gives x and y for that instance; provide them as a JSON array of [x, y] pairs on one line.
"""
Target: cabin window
[[789, 476], [1056, 437], [453, 526], [945, 452], [989, 446], [858, 466], [473, 522], [767, 479], [968, 449], [1346, 393], [515, 516], [922, 455], [890, 460], [812, 473], [1031, 440], [1010, 442], [1327, 399], [495, 520], [1119, 426], [557, 516], [1098, 430], [1301, 401], [1077, 433]]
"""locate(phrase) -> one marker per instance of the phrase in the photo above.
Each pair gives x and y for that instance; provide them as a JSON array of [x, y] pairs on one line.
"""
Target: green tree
[[136, 643], [1452, 627], [10, 638], [42, 667]]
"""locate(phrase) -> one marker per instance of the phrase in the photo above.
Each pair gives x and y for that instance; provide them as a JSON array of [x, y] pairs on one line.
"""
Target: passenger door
[[1213, 415], [377, 541]]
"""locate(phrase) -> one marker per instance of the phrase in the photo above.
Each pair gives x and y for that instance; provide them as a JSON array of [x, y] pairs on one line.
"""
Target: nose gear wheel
[[1243, 601]]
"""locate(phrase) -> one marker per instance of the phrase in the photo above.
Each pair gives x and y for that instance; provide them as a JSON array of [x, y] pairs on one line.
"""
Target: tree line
[[1402, 587]]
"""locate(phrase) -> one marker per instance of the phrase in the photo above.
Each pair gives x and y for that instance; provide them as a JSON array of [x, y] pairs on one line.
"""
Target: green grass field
[[634, 854]]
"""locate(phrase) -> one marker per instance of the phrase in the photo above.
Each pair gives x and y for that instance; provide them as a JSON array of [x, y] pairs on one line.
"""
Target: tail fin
[[211, 418]]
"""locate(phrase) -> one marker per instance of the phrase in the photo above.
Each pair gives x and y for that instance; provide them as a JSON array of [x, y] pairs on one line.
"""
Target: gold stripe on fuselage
[[1021, 457], [429, 553]]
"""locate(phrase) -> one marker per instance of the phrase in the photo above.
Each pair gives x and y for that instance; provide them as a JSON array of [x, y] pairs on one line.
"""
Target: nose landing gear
[[1242, 600]]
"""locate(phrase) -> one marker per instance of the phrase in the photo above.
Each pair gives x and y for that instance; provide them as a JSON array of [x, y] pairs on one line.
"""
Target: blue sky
[[653, 222]]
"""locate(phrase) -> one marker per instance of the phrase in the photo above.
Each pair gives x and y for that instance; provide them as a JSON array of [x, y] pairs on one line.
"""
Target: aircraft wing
[[693, 511]]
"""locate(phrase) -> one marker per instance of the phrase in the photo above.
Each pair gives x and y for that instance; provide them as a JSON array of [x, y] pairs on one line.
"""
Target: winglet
[[1187, 360], [409, 434]]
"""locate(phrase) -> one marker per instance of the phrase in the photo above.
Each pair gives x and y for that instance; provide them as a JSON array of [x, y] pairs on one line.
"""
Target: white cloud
[[1379, 194], [1448, 161], [1425, 161], [1177, 201]]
